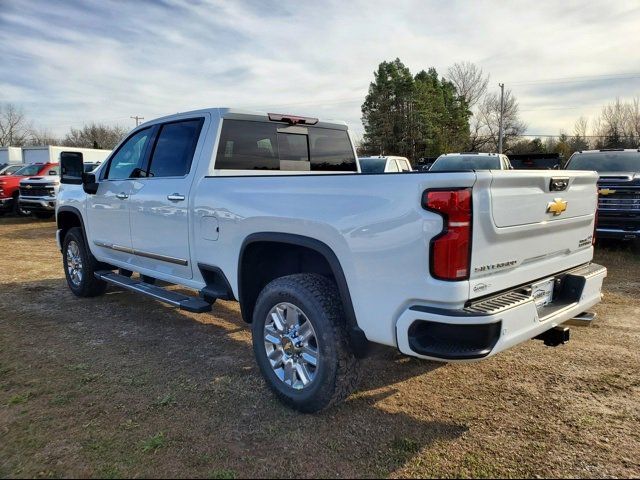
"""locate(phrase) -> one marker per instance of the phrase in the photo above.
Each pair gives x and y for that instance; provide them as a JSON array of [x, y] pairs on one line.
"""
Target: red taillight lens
[[595, 221], [451, 249]]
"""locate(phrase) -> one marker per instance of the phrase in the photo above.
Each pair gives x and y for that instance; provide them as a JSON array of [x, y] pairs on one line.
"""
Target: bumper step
[[184, 302]]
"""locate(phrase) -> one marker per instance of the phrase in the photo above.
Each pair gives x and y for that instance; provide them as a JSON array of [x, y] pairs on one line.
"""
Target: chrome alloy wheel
[[74, 263], [291, 345]]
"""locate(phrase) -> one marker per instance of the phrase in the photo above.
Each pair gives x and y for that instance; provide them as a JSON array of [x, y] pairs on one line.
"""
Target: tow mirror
[[72, 172], [71, 168]]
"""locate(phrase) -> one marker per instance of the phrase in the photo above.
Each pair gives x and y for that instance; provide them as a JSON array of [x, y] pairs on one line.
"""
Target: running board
[[184, 302], [582, 320]]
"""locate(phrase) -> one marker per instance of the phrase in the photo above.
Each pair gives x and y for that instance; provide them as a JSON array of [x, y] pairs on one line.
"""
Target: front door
[[108, 209], [160, 200]]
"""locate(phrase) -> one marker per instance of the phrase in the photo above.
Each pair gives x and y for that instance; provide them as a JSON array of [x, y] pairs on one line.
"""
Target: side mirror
[[71, 168], [72, 172]]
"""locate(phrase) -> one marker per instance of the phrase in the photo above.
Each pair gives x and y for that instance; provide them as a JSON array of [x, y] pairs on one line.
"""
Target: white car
[[384, 164], [272, 211], [449, 162]]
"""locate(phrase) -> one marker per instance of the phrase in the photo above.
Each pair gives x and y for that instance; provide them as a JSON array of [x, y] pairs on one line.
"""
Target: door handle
[[176, 197], [122, 196]]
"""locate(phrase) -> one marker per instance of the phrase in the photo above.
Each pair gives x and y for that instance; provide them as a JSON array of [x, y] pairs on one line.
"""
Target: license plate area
[[542, 292]]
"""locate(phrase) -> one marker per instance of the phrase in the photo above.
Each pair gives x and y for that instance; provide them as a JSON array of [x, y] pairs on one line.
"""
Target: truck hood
[[48, 180]]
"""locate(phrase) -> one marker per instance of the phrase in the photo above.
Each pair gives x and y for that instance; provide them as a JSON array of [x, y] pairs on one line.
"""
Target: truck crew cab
[[272, 211]]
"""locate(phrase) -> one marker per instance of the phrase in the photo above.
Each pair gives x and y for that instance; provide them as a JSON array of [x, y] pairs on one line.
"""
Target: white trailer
[[10, 155], [51, 154]]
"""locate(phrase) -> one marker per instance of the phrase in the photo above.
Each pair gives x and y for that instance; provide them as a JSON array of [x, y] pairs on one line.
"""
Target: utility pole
[[137, 119], [500, 134]]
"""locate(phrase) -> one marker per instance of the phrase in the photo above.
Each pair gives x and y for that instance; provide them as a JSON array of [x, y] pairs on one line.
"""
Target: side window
[[392, 166], [293, 152], [129, 156], [174, 148], [246, 145], [404, 165]]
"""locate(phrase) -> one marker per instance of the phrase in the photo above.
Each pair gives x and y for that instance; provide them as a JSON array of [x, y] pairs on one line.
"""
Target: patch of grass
[[89, 378], [78, 367], [19, 398], [152, 444], [164, 401], [222, 473], [61, 399], [110, 471], [129, 425]]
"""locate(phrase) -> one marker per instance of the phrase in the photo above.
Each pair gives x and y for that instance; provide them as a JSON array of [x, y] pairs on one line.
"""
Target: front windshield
[[465, 162], [372, 165], [605, 161], [29, 170]]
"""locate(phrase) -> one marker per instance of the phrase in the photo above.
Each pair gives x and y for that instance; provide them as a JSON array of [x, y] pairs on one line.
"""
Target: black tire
[[88, 285], [44, 215], [337, 373]]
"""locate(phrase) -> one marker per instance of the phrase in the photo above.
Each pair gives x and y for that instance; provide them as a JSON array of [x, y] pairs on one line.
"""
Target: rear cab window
[[273, 146]]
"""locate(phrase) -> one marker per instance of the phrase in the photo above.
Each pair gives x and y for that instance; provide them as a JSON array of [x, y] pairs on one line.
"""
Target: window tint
[[293, 152], [174, 149], [465, 162], [129, 156], [29, 170], [331, 150], [247, 146], [372, 165]]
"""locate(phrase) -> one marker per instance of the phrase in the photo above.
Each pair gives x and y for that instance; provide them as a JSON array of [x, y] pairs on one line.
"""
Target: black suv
[[619, 190]]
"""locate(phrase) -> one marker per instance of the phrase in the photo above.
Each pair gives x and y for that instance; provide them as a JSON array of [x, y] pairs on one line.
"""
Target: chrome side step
[[184, 302]]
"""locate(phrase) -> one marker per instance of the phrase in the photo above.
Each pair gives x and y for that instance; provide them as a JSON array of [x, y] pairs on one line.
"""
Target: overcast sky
[[67, 63]]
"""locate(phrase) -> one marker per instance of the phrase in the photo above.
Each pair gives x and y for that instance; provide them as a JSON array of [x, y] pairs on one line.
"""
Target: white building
[[51, 154]]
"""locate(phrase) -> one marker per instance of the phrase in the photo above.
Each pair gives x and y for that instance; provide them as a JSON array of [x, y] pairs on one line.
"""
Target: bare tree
[[14, 127], [42, 137], [95, 135], [469, 80], [488, 122]]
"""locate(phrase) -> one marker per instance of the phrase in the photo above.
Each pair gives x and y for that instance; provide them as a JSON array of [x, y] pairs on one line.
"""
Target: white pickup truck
[[272, 211]]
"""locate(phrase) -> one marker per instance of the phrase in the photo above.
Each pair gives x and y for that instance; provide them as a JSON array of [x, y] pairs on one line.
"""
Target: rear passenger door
[[159, 200]]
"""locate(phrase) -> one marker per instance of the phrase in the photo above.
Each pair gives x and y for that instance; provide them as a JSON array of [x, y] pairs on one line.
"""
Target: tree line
[[17, 130], [426, 115]]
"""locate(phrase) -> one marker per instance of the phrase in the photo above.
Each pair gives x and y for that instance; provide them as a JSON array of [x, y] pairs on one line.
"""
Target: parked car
[[384, 164], [10, 184], [449, 162], [619, 190], [454, 266], [9, 169]]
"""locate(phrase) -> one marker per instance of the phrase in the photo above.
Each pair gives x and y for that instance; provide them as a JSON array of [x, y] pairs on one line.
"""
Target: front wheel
[[80, 266], [301, 343]]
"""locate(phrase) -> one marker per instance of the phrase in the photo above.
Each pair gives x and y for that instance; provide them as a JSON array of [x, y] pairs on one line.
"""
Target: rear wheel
[[80, 266], [301, 343]]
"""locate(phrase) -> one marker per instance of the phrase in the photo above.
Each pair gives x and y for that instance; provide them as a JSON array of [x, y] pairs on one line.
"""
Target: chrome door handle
[[176, 197], [122, 196]]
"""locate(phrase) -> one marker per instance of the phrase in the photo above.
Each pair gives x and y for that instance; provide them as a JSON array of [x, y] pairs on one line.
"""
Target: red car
[[10, 184]]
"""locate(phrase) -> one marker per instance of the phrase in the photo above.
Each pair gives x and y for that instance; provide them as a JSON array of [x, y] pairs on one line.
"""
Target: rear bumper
[[621, 225], [39, 204], [495, 324], [618, 233]]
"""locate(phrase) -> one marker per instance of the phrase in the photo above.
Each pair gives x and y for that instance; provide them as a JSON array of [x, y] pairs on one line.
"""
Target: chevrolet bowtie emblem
[[606, 191], [28, 186], [557, 206]]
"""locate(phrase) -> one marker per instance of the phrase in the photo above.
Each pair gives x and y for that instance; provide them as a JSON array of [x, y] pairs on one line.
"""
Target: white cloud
[[68, 63]]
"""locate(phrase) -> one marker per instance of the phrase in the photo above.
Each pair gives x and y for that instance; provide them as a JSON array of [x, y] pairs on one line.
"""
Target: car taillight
[[450, 256], [595, 219], [292, 119]]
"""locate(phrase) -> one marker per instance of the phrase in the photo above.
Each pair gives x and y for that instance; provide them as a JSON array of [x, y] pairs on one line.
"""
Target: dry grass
[[121, 386]]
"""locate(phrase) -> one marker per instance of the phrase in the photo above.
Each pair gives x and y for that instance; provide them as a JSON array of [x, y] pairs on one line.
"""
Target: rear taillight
[[450, 256]]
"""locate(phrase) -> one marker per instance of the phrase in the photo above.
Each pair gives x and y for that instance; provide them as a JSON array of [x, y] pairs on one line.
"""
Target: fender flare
[[358, 339]]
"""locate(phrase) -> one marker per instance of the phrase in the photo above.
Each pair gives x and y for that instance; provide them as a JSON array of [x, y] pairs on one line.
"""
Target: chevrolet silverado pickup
[[272, 211], [10, 184], [619, 189]]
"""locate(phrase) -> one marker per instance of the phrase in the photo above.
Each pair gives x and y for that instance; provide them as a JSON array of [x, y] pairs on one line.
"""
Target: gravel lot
[[122, 386]]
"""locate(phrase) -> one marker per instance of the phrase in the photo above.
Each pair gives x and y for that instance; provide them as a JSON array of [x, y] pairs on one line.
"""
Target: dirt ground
[[123, 386]]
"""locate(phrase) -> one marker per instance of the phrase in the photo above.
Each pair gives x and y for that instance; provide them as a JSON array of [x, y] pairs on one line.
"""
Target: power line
[[137, 119], [580, 79]]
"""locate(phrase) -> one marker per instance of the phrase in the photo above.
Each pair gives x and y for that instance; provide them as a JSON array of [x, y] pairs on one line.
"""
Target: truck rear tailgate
[[528, 225]]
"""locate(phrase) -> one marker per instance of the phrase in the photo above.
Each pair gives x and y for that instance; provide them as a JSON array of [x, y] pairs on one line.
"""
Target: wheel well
[[267, 256], [67, 220], [263, 262]]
